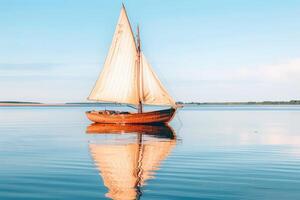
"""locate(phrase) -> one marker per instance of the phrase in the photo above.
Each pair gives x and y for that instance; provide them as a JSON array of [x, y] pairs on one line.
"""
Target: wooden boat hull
[[153, 117]]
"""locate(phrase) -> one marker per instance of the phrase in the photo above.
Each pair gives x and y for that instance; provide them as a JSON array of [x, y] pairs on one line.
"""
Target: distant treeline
[[20, 102], [291, 102]]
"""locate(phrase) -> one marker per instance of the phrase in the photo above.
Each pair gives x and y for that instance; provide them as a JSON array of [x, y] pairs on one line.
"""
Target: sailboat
[[126, 165], [128, 78]]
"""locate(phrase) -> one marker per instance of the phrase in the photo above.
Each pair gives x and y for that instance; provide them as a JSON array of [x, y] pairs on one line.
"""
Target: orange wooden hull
[[153, 117]]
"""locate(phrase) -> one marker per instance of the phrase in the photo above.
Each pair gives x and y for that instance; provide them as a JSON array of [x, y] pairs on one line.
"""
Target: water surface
[[210, 152]]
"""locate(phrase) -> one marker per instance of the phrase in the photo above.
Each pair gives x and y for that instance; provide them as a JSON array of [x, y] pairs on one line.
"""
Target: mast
[[139, 71]]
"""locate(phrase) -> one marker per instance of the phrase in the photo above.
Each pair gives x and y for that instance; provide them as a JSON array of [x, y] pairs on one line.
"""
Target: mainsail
[[122, 72], [117, 81]]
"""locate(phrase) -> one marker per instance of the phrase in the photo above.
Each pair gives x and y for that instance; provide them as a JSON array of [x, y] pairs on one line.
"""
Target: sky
[[202, 50]]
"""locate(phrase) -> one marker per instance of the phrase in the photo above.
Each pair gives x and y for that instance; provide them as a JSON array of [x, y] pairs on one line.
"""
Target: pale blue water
[[218, 152]]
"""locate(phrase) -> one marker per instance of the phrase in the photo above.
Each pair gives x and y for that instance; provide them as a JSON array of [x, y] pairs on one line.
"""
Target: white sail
[[153, 92], [118, 79], [121, 74]]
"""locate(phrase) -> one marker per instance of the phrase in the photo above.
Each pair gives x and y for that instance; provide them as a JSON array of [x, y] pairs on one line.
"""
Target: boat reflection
[[126, 166]]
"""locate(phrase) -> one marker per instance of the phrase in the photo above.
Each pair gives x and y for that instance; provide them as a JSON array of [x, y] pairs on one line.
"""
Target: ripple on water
[[47, 154]]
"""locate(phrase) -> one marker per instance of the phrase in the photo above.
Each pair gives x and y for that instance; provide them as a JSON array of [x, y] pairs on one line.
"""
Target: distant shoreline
[[292, 102], [82, 104]]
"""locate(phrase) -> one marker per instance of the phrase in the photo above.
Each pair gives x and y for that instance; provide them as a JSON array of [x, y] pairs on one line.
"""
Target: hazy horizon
[[203, 51]]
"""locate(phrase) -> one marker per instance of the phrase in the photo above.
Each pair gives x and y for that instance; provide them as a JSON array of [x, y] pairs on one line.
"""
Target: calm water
[[211, 152]]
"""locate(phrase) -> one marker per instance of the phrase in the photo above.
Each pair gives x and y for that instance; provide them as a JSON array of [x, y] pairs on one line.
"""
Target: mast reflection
[[126, 166]]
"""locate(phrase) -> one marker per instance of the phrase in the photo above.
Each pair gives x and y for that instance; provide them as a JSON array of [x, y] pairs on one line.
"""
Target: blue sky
[[203, 50]]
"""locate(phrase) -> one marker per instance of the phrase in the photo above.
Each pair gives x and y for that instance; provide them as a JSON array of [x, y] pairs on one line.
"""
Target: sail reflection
[[125, 167]]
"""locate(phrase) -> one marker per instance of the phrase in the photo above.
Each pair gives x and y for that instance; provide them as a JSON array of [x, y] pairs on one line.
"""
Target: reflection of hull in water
[[126, 167], [158, 130]]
